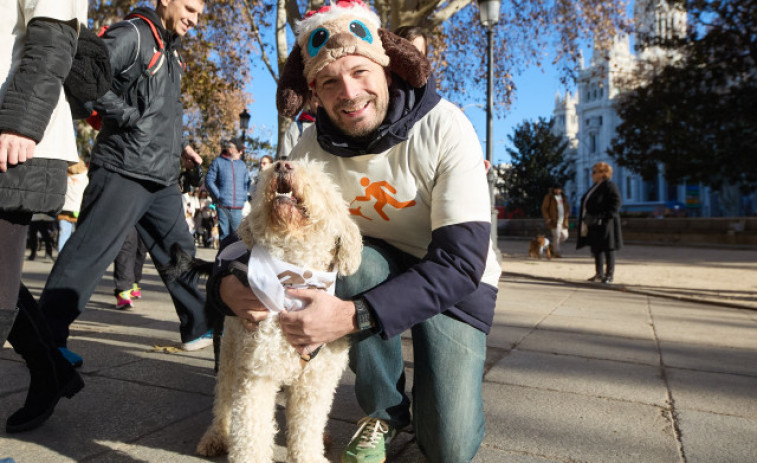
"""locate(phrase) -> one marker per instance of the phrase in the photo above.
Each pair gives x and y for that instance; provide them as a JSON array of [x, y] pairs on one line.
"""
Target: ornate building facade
[[588, 120]]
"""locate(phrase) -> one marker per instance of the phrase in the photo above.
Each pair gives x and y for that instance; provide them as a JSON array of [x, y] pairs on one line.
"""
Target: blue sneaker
[[74, 359], [200, 343]]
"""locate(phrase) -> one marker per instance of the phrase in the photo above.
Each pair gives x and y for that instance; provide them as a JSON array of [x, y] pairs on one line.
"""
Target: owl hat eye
[[318, 39], [361, 31]]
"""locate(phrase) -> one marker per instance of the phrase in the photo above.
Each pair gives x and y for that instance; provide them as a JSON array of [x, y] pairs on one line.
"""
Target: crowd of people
[[364, 103]]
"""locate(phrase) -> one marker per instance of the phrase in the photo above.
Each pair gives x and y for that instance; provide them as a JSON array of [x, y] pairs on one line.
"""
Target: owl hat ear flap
[[405, 60], [292, 91]]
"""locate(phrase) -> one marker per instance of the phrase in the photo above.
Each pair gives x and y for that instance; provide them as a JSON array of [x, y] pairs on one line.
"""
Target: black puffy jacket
[[142, 116]]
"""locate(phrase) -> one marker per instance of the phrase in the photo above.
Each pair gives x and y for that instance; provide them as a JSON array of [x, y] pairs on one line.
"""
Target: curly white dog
[[300, 233]]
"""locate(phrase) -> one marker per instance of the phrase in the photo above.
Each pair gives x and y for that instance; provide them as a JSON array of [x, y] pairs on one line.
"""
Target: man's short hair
[[229, 142]]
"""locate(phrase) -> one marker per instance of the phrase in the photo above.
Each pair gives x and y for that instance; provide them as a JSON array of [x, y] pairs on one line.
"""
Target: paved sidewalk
[[575, 372], [724, 275]]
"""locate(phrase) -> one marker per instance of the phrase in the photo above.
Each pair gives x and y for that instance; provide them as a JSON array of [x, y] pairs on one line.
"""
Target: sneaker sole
[[196, 345]]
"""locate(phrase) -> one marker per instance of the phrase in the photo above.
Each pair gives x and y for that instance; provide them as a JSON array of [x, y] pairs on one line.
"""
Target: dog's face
[[298, 209]]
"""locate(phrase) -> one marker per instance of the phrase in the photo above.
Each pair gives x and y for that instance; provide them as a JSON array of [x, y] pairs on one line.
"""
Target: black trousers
[[127, 268], [44, 228], [599, 261], [112, 206]]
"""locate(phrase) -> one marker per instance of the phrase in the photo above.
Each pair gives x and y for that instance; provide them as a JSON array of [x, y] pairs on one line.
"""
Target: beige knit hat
[[345, 28]]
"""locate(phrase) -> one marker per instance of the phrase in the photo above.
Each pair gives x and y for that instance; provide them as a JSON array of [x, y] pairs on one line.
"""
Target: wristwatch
[[365, 320]]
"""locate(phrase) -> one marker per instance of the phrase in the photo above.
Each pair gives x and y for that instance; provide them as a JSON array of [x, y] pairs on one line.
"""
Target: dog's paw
[[212, 445]]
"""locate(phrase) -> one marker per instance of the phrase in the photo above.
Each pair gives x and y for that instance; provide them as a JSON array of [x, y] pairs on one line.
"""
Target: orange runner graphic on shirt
[[378, 191]]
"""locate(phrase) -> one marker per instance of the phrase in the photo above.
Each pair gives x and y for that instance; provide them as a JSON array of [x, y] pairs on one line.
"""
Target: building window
[[600, 120], [592, 144], [628, 188]]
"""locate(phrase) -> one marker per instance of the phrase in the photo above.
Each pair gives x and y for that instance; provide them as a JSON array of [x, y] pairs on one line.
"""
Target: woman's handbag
[[591, 220]]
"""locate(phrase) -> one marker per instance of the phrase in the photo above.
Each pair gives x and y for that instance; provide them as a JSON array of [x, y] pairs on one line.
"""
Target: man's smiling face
[[354, 91], [180, 15]]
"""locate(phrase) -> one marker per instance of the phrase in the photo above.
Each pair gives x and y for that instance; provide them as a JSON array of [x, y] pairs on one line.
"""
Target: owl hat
[[347, 27]]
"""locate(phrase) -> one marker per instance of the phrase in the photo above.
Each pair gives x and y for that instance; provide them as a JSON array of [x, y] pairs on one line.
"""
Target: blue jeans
[[65, 228], [449, 359], [228, 221]]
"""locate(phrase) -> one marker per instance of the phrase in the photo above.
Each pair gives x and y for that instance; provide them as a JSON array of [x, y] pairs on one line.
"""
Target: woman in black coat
[[599, 222]]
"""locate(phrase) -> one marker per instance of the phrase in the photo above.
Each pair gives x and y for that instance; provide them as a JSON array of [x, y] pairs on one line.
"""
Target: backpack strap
[[157, 58]]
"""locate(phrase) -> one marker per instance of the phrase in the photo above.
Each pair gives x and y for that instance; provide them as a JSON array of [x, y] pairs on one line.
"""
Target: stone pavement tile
[[702, 357], [734, 395], [491, 455], [170, 444], [183, 371], [622, 326], [709, 437], [104, 411], [572, 427], [525, 295], [15, 377], [509, 328], [592, 346], [704, 324], [591, 377]]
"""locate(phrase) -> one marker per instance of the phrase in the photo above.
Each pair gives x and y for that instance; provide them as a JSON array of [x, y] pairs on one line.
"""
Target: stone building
[[588, 119]]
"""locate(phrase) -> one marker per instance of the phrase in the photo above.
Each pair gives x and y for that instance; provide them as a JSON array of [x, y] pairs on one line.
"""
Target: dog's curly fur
[[313, 229]]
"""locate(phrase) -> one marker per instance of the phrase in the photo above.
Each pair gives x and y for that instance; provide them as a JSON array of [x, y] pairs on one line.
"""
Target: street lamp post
[[244, 122], [489, 16]]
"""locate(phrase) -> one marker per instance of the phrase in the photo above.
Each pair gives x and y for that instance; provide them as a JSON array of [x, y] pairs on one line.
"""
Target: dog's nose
[[284, 166]]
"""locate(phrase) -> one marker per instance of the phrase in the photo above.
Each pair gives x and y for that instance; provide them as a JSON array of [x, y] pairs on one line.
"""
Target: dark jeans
[[127, 268], [448, 358], [112, 205]]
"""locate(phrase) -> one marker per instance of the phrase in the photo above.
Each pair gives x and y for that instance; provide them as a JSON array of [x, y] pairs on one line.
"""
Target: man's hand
[[190, 158], [15, 149], [242, 301], [325, 318]]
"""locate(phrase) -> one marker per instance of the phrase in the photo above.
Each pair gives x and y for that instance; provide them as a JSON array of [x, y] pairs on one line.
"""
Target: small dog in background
[[299, 229], [539, 247]]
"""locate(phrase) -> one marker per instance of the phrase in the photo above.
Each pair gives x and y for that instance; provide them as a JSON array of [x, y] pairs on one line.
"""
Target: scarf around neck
[[270, 277]]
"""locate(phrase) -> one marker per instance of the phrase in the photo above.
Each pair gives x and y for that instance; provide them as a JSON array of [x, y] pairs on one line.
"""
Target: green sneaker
[[368, 445]]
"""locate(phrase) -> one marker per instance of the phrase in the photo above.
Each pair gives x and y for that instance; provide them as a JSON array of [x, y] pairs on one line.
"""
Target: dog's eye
[[317, 40], [361, 31]]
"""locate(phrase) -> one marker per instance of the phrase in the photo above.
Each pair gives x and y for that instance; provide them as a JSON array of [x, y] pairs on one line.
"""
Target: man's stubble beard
[[364, 131]]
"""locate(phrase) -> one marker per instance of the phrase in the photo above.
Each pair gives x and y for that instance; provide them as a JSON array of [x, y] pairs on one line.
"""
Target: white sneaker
[[200, 343]]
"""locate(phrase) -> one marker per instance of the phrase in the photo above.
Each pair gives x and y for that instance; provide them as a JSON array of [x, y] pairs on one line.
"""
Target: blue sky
[[535, 97]]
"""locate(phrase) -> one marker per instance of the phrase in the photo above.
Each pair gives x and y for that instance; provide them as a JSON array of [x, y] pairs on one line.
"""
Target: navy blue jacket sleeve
[[450, 271]]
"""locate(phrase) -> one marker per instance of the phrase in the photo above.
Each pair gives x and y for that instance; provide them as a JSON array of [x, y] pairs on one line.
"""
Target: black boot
[[51, 379], [52, 376]]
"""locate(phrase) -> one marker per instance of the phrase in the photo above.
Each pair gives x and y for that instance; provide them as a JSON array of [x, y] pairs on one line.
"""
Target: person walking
[[76, 182], [228, 183], [127, 270], [556, 211], [136, 156], [41, 226], [305, 119], [599, 222], [36, 145], [428, 266]]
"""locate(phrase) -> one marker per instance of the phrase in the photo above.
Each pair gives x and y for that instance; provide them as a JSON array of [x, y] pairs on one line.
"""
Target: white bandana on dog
[[269, 277]]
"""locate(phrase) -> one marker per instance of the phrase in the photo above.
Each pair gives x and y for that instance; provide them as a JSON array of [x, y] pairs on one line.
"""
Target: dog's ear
[[404, 59], [293, 90], [348, 248]]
